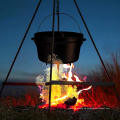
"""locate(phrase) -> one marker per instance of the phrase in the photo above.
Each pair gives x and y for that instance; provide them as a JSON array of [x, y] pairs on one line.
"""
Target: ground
[[29, 113]]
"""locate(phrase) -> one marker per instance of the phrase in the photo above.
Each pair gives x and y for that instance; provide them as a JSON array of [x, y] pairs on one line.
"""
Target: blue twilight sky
[[102, 18]]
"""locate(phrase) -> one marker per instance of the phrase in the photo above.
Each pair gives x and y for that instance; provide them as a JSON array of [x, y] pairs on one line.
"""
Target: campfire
[[74, 96], [70, 91]]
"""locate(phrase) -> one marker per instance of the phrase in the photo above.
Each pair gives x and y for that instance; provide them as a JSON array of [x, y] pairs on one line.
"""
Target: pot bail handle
[[66, 14]]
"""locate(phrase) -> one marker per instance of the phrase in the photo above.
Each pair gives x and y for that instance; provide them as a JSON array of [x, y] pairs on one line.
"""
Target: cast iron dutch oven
[[66, 46]]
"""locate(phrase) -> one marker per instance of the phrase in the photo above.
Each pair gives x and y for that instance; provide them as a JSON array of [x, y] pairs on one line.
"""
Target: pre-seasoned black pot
[[66, 46]]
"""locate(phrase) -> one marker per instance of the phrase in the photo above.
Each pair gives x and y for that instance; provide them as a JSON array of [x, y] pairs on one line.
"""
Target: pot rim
[[62, 34]]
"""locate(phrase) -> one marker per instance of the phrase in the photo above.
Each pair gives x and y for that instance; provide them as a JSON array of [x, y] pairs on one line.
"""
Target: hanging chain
[[52, 48], [58, 16]]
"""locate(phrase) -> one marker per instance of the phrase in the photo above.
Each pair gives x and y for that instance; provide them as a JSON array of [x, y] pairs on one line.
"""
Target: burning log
[[61, 83], [23, 84], [70, 102], [80, 83]]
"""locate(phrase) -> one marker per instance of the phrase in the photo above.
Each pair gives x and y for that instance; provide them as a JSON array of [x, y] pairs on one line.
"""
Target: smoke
[[39, 79], [57, 69]]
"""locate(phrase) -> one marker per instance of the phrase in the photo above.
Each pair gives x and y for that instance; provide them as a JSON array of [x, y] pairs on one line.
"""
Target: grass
[[113, 68]]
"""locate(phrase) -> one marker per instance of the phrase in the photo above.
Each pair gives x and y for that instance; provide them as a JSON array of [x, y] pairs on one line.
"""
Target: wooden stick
[[23, 84], [80, 83], [60, 83]]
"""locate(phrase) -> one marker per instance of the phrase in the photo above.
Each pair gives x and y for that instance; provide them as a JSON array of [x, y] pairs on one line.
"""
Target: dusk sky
[[101, 16]]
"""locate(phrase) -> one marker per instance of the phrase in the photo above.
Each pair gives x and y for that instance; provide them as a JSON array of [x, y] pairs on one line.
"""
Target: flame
[[61, 93]]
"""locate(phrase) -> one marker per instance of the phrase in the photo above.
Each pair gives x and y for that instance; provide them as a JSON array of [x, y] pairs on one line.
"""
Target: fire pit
[[66, 46]]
